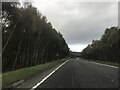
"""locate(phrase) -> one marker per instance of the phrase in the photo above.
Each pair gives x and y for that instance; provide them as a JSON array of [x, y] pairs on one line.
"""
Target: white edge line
[[34, 87], [104, 64]]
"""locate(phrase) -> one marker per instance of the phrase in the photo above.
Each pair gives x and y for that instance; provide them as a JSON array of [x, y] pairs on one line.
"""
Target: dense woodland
[[28, 38], [106, 49]]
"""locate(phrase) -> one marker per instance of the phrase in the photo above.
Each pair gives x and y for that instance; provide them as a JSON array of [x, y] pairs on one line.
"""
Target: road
[[78, 73]]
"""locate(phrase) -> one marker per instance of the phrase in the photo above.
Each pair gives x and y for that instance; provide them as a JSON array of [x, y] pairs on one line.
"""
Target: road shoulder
[[31, 82]]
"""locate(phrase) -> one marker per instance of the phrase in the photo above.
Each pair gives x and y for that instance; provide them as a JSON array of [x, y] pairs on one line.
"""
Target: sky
[[79, 22]]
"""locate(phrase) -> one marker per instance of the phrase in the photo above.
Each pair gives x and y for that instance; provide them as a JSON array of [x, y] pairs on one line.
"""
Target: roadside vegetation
[[13, 76], [107, 49], [28, 38]]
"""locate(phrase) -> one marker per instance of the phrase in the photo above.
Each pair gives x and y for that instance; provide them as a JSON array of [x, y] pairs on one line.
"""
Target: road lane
[[78, 73]]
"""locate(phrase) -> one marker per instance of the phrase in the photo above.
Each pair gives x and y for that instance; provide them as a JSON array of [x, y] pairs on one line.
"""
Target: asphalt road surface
[[78, 73]]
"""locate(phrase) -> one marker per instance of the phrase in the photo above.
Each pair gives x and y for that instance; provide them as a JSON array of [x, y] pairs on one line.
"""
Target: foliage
[[28, 38], [107, 48]]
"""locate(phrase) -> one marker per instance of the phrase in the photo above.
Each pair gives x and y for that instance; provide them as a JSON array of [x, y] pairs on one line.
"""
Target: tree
[[29, 39], [107, 48]]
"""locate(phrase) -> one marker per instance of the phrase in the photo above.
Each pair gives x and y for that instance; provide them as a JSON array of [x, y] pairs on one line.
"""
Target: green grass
[[12, 76]]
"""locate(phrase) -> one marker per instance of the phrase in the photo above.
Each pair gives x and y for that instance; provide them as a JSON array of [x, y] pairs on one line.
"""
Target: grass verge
[[106, 62], [13, 76]]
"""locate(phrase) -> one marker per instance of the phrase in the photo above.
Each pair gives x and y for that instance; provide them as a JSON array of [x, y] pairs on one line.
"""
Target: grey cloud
[[84, 30], [81, 22]]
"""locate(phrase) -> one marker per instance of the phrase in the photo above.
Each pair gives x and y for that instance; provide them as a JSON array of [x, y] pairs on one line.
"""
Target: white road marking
[[34, 87], [104, 64]]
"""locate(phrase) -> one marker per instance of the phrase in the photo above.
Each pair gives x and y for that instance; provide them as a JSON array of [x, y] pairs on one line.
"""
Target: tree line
[[106, 49], [28, 38]]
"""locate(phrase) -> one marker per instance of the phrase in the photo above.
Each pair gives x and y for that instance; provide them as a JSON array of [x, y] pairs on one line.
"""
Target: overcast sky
[[79, 22]]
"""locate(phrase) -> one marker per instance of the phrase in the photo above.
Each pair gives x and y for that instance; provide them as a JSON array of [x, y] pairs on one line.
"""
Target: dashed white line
[[34, 87]]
